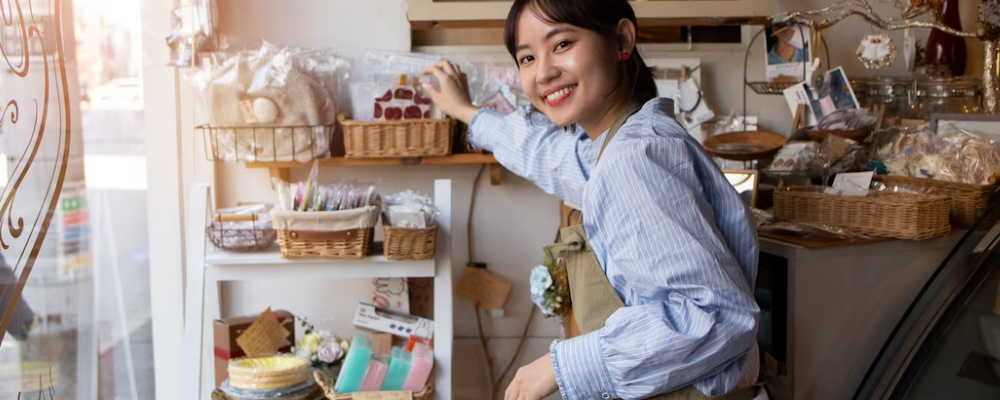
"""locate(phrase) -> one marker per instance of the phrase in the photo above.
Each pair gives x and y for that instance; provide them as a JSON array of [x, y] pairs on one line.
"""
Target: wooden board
[[813, 242]]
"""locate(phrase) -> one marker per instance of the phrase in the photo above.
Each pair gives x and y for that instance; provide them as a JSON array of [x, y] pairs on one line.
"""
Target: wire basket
[[266, 143], [226, 235], [770, 88]]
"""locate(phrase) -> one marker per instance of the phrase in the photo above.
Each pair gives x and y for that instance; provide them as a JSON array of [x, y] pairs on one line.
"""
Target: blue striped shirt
[[674, 238]]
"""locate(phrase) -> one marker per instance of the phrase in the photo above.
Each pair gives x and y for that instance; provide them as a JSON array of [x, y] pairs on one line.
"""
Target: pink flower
[[329, 351]]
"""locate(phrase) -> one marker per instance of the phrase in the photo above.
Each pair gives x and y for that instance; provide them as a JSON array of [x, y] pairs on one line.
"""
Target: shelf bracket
[[496, 174]]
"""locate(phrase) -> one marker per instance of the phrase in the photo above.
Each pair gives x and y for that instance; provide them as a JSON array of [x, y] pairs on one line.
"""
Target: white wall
[[503, 213]]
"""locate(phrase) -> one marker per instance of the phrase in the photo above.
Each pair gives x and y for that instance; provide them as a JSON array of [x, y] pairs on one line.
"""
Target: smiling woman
[[661, 272]]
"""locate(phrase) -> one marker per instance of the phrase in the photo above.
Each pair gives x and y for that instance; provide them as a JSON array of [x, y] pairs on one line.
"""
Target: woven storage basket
[[764, 145], [409, 243], [343, 234], [327, 383], [397, 139], [883, 214], [968, 202]]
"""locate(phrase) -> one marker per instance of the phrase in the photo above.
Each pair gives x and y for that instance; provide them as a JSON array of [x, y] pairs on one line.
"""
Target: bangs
[[594, 15]]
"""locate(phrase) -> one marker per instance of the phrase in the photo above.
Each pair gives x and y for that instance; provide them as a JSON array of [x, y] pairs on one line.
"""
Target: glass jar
[[894, 93], [948, 95], [860, 89]]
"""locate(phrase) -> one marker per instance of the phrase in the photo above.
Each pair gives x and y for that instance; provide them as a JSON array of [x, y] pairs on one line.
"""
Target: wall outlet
[[498, 313]]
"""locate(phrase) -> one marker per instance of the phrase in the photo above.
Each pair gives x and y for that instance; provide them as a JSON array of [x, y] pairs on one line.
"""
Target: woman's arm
[[530, 146], [690, 317]]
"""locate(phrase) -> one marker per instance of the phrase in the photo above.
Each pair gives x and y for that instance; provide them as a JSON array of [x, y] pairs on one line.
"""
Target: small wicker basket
[[397, 139], [409, 243], [327, 384], [883, 214], [345, 234], [745, 146], [968, 202]]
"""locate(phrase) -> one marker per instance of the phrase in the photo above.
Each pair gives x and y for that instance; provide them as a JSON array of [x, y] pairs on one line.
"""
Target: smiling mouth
[[555, 97]]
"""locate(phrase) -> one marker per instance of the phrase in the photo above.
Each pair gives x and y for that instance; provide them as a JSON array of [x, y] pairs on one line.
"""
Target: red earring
[[626, 56]]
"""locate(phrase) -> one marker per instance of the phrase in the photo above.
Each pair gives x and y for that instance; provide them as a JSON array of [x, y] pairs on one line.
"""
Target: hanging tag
[[246, 109]]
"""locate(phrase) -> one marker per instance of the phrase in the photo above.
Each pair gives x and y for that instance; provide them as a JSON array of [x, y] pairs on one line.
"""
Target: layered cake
[[268, 373]]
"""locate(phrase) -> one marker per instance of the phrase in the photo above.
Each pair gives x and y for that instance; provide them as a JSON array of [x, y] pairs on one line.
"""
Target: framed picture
[[745, 181]]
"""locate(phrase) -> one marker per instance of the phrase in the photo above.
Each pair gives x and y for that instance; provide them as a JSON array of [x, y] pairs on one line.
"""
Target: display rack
[[282, 169], [207, 269]]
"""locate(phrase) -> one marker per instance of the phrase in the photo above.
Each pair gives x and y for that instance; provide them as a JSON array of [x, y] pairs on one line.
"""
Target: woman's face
[[568, 72]]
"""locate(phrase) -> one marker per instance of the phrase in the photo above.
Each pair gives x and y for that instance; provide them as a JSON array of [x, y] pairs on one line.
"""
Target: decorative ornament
[[877, 52], [989, 17]]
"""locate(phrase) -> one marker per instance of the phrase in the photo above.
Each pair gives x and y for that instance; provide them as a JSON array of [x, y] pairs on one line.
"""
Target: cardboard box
[[402, 325], [228, 329]]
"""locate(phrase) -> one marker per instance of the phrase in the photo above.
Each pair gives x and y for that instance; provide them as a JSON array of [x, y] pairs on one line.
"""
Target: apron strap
[[626, 112]]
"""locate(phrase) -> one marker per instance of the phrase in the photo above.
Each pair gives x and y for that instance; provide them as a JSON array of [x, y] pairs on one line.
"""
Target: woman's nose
[[547, 70]]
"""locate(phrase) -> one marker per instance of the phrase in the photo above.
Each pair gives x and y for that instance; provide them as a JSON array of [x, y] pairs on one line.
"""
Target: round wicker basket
[[745, 146]]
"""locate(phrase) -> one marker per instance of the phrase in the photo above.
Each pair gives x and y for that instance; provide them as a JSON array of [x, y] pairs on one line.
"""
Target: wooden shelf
[[281, 169]]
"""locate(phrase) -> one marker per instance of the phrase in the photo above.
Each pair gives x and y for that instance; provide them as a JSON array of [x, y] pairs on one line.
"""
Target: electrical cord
[[484, 345]]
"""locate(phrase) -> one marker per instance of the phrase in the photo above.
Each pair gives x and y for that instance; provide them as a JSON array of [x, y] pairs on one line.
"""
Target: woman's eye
[[562, 45], [526, 59]]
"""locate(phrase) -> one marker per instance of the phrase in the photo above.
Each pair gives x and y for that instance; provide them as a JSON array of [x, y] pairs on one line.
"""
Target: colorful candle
[[399, 368], [375, 375], [420, 368], [352, 372]]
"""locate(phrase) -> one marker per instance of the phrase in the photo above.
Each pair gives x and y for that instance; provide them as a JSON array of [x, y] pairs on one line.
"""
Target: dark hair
[[601, 16]]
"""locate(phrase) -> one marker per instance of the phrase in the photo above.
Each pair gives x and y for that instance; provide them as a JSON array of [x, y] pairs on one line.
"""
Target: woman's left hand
[[534, 381]]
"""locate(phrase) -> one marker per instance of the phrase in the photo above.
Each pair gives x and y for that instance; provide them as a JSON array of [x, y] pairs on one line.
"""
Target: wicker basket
[[397, 139], [857, 135], [409, 243], [327, 384], [968, 202], [883, 214], [745, 146], [343, 234]]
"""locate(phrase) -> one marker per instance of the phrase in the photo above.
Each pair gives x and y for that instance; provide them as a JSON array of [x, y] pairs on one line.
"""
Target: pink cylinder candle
[[420, 368]]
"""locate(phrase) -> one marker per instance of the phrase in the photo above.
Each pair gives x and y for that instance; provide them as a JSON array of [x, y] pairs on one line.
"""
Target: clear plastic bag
[[950, 154], [499, 90], [312, 196], [193, 24], [410, 209], [290, 92]]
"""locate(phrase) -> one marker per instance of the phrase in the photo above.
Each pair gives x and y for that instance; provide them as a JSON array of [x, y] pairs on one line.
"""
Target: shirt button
[[606, 396]]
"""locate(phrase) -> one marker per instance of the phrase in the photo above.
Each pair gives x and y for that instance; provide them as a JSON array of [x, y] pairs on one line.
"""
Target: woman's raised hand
[[453, 98]]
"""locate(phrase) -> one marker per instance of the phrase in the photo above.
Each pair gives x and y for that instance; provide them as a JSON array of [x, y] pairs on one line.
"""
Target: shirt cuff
[[580, 368], [484, 127]]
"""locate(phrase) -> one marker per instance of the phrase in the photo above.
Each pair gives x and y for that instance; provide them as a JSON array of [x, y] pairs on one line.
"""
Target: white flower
[[540, 279], [303, 354]]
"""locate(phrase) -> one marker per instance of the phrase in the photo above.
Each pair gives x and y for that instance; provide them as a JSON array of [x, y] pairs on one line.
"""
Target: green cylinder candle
[[399, 369], [352, 372]]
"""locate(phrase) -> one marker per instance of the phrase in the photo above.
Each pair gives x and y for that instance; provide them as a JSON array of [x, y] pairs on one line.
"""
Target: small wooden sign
[[264, 337], [483, 288], [382, 343], [382, 395]]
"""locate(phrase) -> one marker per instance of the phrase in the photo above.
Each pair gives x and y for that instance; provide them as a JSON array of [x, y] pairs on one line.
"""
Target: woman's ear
[[626, 35]]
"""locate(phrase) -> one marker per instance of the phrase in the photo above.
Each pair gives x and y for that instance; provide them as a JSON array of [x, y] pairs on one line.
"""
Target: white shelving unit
[[206, 270]]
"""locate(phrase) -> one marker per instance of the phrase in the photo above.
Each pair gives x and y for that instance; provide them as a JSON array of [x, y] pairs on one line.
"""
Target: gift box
[[228, 329]]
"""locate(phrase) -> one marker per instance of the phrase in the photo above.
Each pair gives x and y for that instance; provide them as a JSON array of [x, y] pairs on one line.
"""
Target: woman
[[662, 270]]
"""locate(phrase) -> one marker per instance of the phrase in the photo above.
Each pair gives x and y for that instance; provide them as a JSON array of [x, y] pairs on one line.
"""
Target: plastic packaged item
[[193, 24], [264, 374], [949, 154], [405, 100], [399, 369], [312, 196], [420, 368], [797, 156], [848, 120], [352, 372], [375, 375], [274, 103], [410, 209]]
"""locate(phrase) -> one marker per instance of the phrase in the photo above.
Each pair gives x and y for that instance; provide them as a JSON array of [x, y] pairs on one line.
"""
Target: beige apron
[[593, 298]]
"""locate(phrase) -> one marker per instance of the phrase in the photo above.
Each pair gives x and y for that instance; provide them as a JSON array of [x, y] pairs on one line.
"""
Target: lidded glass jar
[[893, 92], [948, 95]]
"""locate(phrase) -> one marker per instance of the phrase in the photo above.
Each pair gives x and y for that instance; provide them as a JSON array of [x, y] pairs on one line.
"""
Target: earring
[[626, 56]]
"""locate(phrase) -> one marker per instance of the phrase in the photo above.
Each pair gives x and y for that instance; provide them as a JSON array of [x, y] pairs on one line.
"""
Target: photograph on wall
[[832, 92], [788, 49]]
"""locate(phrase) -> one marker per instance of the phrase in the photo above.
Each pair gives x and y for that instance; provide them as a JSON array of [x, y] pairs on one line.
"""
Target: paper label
[[246, 109], [482, 288], [382, 395], [264, 337]]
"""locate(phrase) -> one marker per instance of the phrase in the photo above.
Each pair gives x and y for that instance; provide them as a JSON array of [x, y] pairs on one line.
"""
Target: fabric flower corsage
[[549, 290], [321, 348]]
